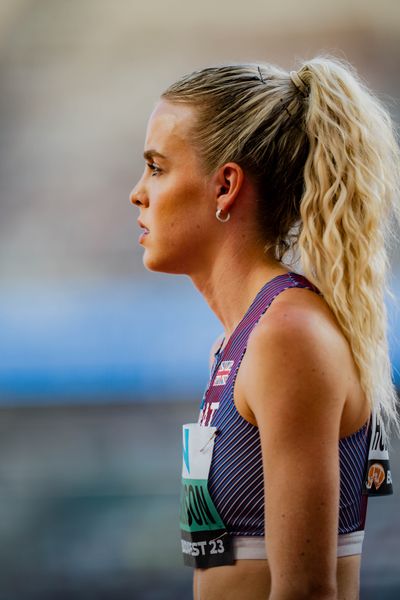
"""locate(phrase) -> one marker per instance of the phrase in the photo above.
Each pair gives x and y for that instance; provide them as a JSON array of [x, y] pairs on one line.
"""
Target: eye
[[153, 167]]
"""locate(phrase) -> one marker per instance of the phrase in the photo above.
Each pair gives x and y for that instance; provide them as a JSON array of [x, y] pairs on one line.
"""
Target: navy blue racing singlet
[[235, 480]]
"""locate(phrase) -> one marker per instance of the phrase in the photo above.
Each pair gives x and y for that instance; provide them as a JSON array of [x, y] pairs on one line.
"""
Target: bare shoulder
[[302, 304], [299, 318], [297, 359]]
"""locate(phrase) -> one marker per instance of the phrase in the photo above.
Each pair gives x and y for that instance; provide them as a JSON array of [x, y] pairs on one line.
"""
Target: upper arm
[[296, 391]]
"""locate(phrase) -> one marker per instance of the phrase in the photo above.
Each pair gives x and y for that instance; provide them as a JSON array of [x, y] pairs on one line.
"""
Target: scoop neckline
[[220, 349]]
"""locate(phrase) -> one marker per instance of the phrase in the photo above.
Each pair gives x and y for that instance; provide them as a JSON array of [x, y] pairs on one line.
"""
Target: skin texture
[[297, 381]]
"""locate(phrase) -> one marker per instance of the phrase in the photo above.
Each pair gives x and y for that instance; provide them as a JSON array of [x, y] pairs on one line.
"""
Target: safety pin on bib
[[219, 537], [203, 449]]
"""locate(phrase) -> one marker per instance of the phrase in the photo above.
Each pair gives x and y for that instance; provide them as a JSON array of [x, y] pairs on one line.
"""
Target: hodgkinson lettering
[[194, 506], [378, 439]]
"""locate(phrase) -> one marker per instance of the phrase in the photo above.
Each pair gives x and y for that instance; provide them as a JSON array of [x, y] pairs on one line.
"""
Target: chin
[[164, 265]]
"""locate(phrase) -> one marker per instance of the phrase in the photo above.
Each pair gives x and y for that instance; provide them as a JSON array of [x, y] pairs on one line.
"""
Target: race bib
[[378, 478], [205, 540]]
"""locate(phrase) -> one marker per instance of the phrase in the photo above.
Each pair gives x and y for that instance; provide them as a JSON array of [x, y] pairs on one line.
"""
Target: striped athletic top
[[235, 479]]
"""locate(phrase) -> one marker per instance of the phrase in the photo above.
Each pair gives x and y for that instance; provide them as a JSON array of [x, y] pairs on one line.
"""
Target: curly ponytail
[[348, 212], [322, 153]]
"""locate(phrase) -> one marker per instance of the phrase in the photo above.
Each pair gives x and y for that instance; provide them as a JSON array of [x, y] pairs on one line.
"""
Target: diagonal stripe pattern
[[236, 475]]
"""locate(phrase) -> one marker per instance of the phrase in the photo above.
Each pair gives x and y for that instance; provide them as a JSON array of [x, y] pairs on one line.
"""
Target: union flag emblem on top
[[223, 372]]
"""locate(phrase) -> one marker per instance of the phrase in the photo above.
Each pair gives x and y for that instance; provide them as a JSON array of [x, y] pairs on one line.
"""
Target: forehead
[[168, 128]]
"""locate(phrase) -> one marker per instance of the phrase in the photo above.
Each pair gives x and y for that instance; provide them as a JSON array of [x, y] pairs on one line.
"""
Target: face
[[174, 195]]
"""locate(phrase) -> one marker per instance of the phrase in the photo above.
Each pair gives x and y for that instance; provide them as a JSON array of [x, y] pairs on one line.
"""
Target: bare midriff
[[251, 579]]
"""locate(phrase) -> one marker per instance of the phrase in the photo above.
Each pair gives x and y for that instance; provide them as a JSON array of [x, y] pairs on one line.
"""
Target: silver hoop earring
[[218, 213]]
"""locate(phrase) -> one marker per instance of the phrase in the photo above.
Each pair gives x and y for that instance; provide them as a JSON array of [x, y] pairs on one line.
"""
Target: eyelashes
[[153, 168]]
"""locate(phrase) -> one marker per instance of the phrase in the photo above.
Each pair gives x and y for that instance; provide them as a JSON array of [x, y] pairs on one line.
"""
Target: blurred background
[[102, 361]]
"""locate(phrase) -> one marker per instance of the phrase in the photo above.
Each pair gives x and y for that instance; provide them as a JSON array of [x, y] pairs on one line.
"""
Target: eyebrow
[[148, 154]]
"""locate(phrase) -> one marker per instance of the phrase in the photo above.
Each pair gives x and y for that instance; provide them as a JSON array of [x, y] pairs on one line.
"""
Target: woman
[[244, 163]]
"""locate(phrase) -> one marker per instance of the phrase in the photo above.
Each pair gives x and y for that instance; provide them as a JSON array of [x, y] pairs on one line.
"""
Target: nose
[[137, 196]]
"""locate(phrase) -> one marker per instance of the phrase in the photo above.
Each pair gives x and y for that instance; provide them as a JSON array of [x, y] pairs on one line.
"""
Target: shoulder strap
[[234, 349]]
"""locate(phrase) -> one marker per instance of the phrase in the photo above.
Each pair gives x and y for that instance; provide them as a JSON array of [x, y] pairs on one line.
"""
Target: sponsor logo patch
[[376, 476]]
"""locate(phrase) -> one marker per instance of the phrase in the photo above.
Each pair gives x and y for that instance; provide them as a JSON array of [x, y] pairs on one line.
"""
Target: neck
[[233, 281]]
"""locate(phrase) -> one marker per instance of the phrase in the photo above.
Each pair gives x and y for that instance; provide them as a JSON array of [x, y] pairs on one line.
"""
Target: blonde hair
[[324, 158]]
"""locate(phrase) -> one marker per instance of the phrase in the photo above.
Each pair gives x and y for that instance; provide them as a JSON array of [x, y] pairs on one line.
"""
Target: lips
[[143, 226]]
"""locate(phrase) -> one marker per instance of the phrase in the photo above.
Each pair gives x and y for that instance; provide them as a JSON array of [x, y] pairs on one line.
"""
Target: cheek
[[182, 205], [180, 208]]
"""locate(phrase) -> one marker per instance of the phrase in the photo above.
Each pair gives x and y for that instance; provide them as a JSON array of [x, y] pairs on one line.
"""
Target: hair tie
[[299, 83]]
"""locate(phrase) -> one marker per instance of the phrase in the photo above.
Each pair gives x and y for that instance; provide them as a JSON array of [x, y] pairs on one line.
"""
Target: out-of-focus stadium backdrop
[[101, 361]]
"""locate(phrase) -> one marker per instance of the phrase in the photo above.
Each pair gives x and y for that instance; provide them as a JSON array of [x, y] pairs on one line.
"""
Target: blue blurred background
[[101, 361]]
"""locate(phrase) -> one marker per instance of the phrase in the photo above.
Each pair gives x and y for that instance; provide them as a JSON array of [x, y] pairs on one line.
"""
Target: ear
[[229, 181]]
